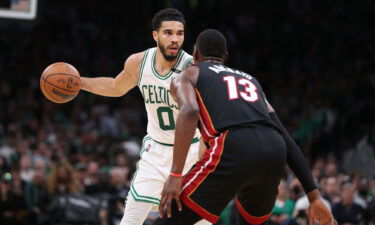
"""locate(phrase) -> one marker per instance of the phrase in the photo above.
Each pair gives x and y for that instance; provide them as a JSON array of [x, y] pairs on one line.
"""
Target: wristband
[[176, 174]]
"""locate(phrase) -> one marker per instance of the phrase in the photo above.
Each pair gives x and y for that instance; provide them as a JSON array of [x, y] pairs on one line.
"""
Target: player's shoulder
[[135, 59], [185, 61], [133, 63], [192, 69], [186, 55], [138, 57], [191, 73]]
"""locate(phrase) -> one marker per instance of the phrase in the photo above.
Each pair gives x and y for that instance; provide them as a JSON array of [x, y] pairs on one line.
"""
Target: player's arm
[[297, 162], [118, 86], [182, 89]]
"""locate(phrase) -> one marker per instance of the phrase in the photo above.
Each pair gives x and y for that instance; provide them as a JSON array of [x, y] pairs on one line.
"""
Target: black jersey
[[228, 98]]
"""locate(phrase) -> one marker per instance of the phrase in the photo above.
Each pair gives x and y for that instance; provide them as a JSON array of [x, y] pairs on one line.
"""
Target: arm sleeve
[[295, 158]]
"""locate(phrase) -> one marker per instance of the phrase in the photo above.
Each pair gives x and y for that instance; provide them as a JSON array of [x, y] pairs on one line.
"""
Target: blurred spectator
[[330, 189], [132, 149], [318, 167], [6, 200], [26, 168], [119, 189], [8, 149], [40, 164], [62, 180], [122, 160], [3, 165], [13, 208], [80, 173], [23, 148], [284, 206], [361, 187], [295, 189], [37, 196], [347, 211], [369, 215], [68, 205], [330, 169], [91, 178], [371, 193], [42, 152]]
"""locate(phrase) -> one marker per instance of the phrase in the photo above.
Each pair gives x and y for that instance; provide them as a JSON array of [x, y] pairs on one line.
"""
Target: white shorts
[[154, 168]]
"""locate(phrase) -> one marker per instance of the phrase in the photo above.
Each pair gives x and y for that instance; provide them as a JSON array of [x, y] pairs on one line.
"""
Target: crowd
[[315, 60]]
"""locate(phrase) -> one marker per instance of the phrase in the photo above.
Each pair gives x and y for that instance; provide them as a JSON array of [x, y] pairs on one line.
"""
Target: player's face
[[169, 39]]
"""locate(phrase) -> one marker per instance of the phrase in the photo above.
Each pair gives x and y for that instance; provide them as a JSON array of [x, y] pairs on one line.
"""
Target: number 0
[[166, 120]]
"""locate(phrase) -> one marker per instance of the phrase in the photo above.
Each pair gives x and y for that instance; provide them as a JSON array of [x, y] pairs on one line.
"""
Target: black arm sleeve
[[295, 158]]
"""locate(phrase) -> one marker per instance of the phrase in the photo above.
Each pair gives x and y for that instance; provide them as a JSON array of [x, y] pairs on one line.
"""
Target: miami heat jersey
[[228, 98]]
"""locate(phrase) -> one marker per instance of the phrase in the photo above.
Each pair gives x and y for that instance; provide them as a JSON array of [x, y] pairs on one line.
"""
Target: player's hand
[[172, 188], [319, 213]]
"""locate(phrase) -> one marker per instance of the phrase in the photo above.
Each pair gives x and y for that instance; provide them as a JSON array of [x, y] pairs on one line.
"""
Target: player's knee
[[135, 212]]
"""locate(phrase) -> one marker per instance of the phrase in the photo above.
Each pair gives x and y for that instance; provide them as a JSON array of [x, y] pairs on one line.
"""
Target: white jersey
[[161, 109]]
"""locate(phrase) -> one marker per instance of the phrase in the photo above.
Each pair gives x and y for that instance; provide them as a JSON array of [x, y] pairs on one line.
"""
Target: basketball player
[[152, 71], [248, 146]]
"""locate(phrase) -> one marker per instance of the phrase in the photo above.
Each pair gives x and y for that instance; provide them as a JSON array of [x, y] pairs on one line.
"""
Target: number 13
[[249, 94]]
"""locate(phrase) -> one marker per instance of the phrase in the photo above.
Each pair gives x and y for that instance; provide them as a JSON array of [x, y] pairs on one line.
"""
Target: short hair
[[168, 14], [211, 43]]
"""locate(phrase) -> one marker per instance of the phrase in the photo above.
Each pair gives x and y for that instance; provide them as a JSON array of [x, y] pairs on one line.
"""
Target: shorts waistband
[[195, 140], [260, 123]]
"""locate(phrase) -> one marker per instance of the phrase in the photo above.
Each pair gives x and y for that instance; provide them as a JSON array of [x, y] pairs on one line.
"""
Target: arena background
[[315, 60]]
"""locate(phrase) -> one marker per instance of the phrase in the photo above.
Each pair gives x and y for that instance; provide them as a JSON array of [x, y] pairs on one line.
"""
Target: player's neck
[[213, 59], [162, 65]]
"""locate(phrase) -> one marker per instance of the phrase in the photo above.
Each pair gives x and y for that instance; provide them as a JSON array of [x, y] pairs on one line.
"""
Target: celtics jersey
[[161, 109]]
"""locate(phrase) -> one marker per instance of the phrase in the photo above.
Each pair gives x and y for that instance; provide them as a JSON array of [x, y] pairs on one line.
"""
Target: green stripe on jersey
[[138, 197], [142, 199], [170, 72], [142, 66], [187, 63]]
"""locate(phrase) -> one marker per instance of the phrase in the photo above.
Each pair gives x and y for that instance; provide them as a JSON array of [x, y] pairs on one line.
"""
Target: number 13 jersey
[[228, 98], [161, 108]]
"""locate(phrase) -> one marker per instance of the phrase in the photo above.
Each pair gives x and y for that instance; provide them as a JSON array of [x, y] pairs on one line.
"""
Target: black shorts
[[243, 163]]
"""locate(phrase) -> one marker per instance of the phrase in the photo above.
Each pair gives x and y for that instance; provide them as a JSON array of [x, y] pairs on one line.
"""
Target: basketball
[[60, 82]]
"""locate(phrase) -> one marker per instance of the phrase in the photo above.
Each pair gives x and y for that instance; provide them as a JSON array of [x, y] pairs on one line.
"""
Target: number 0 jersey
[[228, 98], [161, 109]]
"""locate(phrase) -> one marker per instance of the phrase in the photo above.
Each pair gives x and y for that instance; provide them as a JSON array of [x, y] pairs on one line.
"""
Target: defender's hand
[[318, 212], [172, 188]]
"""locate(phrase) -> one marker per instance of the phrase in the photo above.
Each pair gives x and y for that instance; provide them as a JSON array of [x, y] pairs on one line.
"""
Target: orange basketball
[[60, 82]]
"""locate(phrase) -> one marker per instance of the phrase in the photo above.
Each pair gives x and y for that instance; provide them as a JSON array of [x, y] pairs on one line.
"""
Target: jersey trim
[[142, 67], [170, 72], [208, 130], [249, 218], [187, 63], [196, 176], [141, 198], [195, 140]]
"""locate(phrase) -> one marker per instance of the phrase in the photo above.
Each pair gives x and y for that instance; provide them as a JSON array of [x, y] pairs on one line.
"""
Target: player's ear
[[195, 53], [155, 35], [226, 56]]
